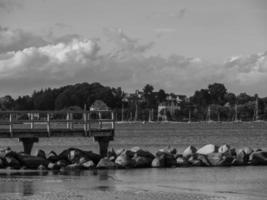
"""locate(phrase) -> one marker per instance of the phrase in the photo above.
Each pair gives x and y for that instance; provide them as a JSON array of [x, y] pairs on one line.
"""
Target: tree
[[161, 97], [7, 102], [230, 98], [149, 96], [243, 98], [217, 93]]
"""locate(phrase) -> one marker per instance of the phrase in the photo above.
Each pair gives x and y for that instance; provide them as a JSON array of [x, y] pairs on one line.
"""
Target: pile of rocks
[[77, 159]]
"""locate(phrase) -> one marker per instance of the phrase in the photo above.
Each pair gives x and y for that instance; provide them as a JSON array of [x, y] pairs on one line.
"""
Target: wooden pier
[[29, 126]]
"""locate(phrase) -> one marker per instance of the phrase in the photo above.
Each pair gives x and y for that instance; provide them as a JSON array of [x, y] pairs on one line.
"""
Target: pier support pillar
[[28, 144], [103, 142]]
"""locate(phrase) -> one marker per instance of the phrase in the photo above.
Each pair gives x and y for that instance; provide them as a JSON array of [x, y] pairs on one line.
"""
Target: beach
[[171, 183]]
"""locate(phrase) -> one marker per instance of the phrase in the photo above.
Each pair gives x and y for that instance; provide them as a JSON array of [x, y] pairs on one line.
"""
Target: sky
[[176, 45]]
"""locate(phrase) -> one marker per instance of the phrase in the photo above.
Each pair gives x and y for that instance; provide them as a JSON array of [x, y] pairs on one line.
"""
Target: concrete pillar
[[103, 142], [28, 144]]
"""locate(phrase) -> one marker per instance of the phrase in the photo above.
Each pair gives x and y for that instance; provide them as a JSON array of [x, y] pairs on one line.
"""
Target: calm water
[[176, 183]]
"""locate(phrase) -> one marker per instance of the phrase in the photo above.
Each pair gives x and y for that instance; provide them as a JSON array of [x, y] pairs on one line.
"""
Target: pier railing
[[50, 123]]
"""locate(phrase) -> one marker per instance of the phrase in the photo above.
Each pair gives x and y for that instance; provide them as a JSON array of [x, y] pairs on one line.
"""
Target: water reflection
[[218, 180]]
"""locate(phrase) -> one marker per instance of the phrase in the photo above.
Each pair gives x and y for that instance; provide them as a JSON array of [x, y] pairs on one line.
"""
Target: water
[[175, 183]]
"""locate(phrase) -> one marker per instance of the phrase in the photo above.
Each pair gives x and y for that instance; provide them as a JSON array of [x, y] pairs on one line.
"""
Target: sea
[[198, 183]]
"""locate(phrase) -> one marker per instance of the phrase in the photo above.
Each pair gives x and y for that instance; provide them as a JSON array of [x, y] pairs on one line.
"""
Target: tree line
[[213, 102]]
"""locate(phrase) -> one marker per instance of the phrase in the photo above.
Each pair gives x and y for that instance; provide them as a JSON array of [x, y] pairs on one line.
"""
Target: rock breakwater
[[76, 159]]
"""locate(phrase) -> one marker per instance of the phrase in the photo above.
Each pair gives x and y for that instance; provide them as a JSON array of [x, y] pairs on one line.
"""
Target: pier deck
[[29, 126]]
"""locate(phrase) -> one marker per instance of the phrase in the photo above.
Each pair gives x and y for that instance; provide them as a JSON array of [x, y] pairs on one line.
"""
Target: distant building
[[167, 109]]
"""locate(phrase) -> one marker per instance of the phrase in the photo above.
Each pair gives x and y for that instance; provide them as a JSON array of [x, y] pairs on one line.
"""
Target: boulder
[[158, 162], [74, 166], [189, 151], [224, 148], [88, 165], [203, 159], [112, 154], [12, 162], [241, 158], [53, 166], [208, 149], [124, 161], [182, 162], [73, 155], [169, 159], [52, 157], [41, 167], [40, 153], [258, 158], [142, 153], [92, 156], [142, 162], [119, 152], [61, 163], [195, 162], [32, 162], [2, 163], [105, 163], [247, 150], [169, 149], [219, 159]]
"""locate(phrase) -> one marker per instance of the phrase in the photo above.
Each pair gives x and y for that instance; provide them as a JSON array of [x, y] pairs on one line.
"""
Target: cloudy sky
[[176, 45]]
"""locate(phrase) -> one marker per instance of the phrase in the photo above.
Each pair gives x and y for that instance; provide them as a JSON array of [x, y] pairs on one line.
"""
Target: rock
[[88, 164], [203, 159], [41, 167], [158, 162], [141, 153], [2, 163], [224, 148], [53, 166], [182, 162], [40, 153], [52, 157], [241, 158], [219, 159], [169, 158], [208, 149], [247, 150], [92, 156], [142, 162], [112, 154], [189, 151], [169, 149], [12, 162], [124, 161], [62, 163], [105, 163], [74, 166], [194, 161], [73, 155], [258, 158], [32, 162], [119, 152]]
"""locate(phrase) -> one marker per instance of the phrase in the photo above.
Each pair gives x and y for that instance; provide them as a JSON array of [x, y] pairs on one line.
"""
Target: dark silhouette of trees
[[214, 101]]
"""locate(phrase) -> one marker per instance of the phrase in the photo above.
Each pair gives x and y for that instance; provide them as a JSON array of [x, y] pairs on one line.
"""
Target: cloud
[[125, 46], [163, 31], [179, 14], [9, 5], [14, 40], [126, 64]]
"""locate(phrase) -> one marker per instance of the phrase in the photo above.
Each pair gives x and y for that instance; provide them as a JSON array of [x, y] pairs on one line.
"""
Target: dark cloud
[[14, 40]]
